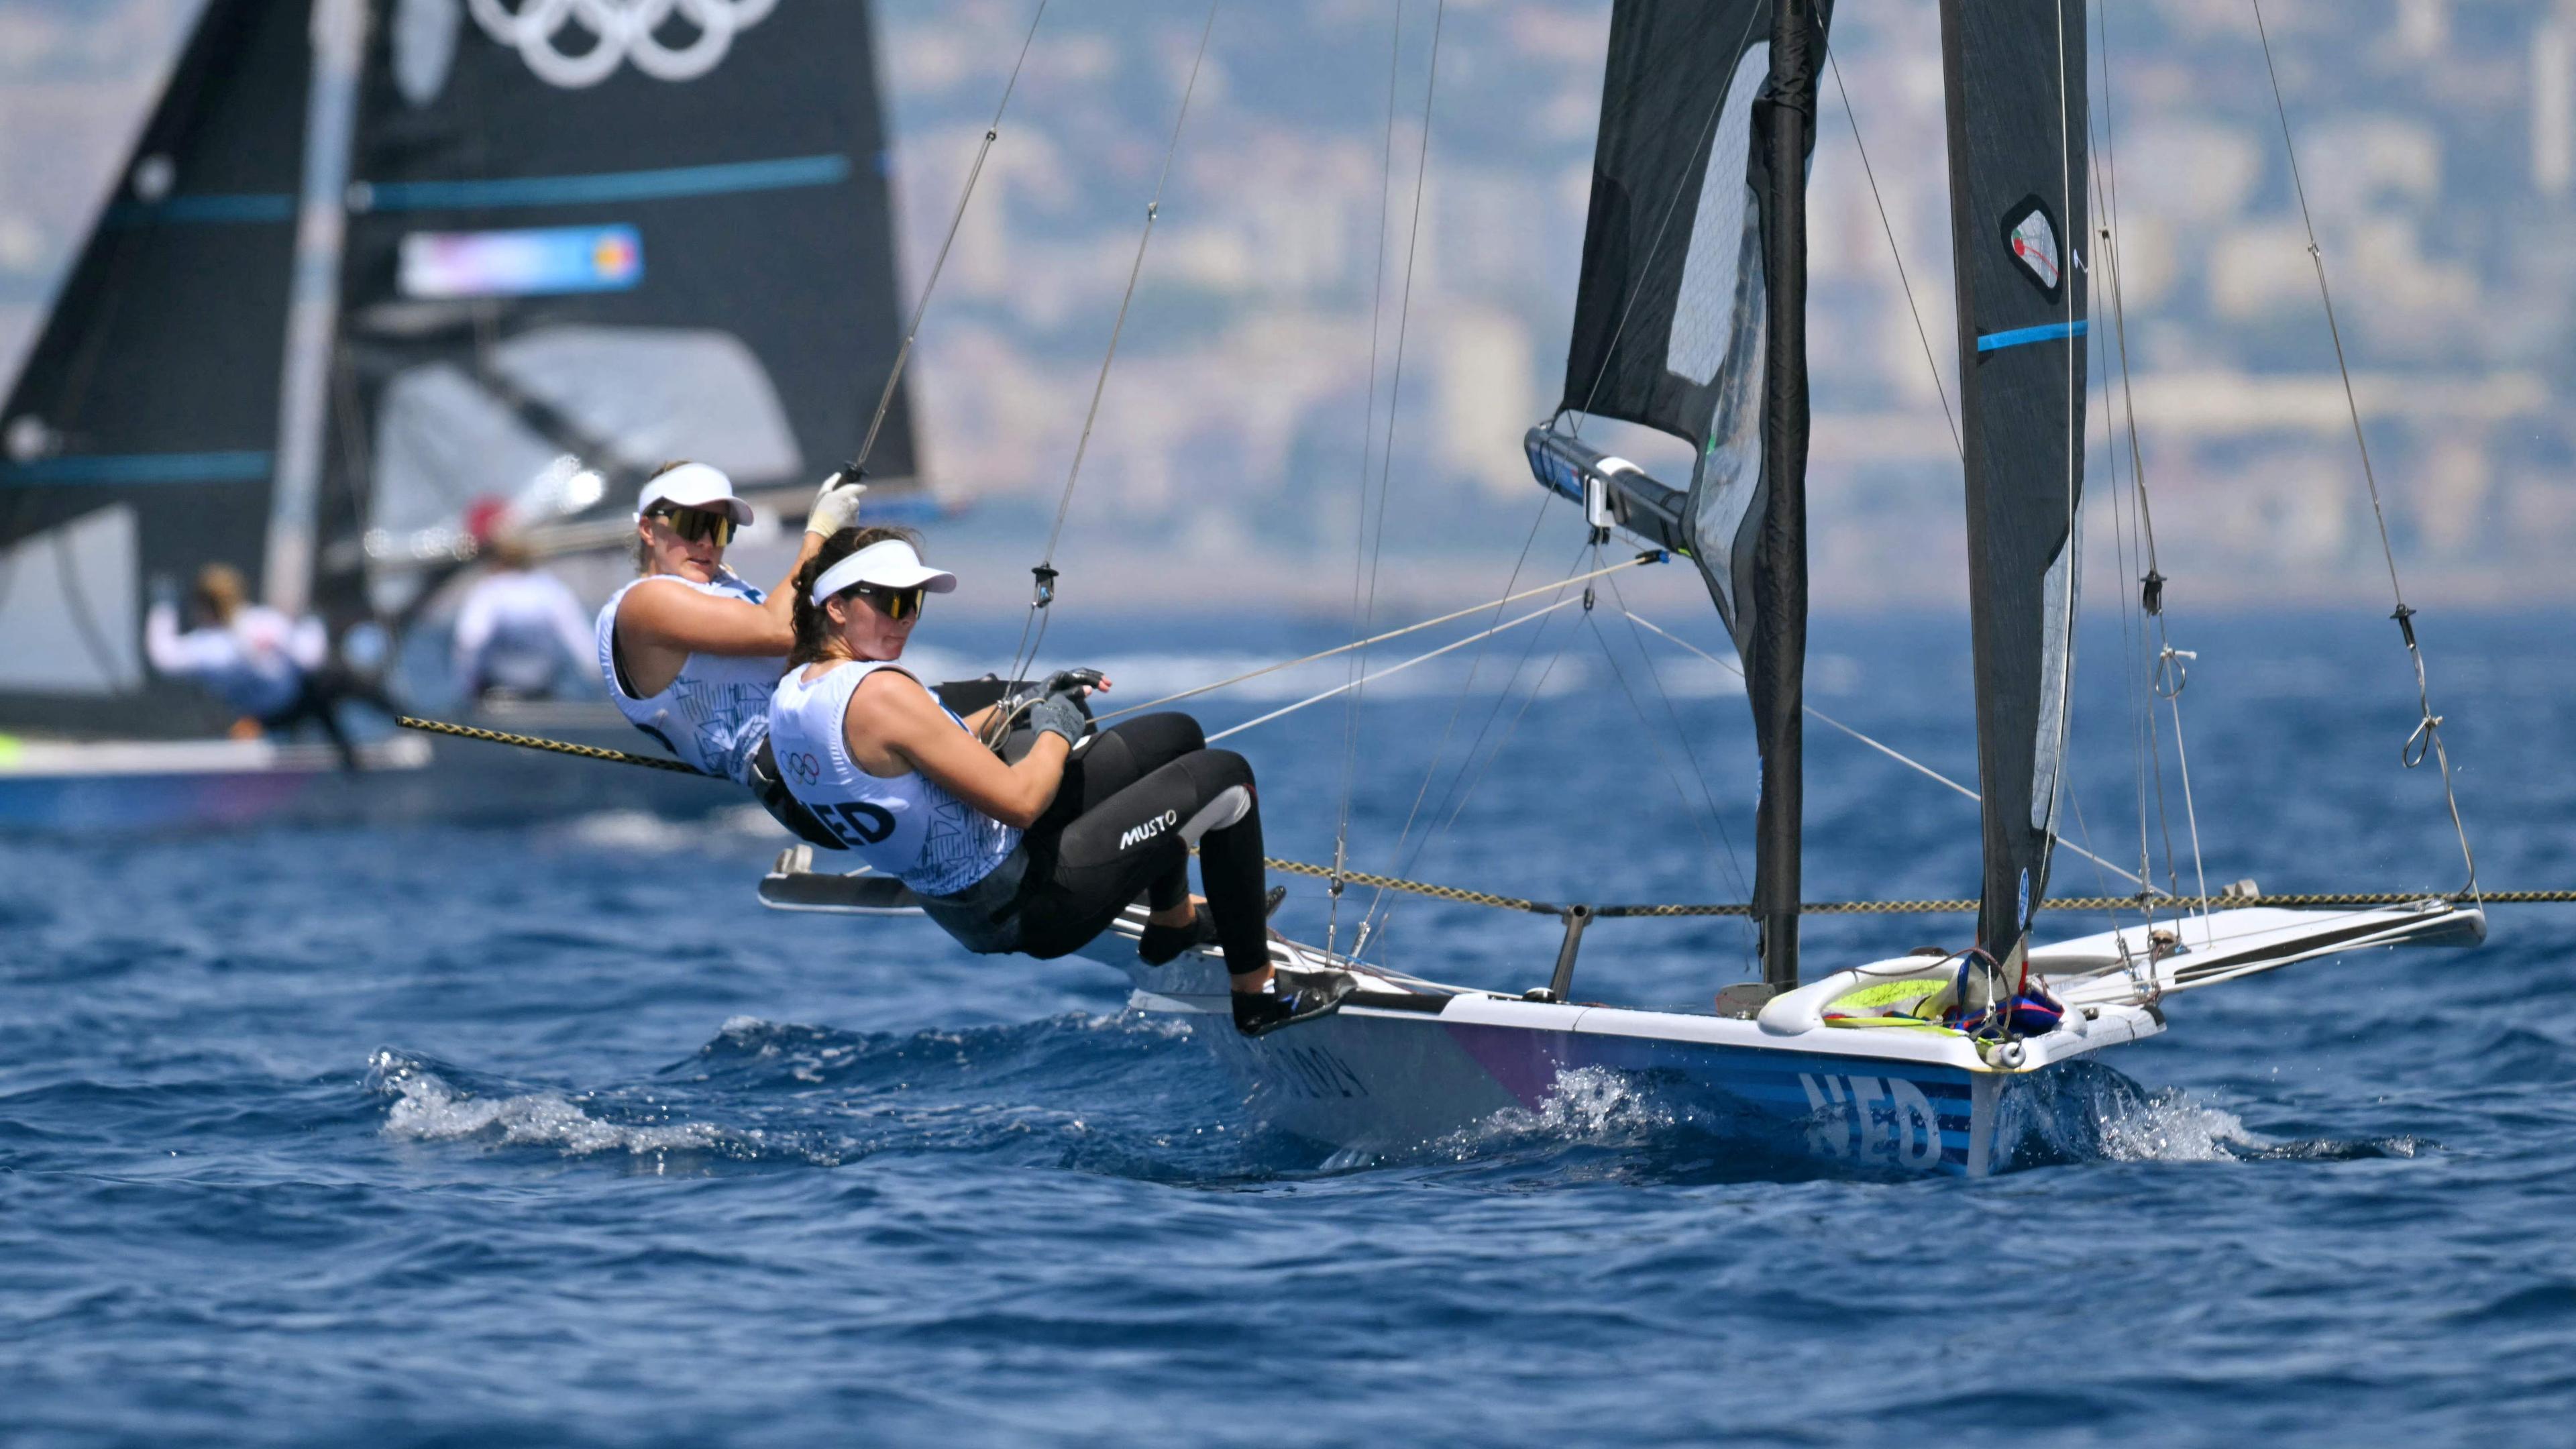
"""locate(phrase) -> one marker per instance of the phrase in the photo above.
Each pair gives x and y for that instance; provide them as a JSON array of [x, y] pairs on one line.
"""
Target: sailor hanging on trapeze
[[690, 651], [1038, 856]]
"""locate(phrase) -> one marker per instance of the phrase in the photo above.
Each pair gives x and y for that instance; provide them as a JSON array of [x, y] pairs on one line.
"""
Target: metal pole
[[1562, 983], [1777, 676], [313, 312]]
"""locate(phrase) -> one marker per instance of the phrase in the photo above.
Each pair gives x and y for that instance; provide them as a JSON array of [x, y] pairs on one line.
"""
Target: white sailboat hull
[[1404, 1064], [1407, 1062]]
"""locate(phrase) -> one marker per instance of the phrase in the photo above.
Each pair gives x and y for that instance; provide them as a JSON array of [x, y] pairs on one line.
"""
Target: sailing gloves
[[1076, 682], [836, 504], [1057, 714]]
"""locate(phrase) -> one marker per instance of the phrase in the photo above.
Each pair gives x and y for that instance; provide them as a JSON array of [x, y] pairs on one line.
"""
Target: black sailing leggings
[[323, 689], [1115, 830]]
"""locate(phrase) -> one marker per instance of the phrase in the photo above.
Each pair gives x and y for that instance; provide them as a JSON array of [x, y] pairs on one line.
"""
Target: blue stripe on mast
[[2022, 336], [222, 208], [111, 468], [613, 186]]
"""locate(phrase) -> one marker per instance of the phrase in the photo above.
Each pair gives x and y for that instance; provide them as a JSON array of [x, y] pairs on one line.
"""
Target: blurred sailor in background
[[275, 672], [519, 629], [689, 651]]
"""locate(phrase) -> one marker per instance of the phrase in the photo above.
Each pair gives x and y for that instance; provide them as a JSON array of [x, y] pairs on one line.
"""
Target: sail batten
[[2019, 207]]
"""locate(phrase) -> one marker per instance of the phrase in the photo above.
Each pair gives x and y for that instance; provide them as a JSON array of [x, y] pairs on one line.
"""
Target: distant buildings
[[2437, 146]]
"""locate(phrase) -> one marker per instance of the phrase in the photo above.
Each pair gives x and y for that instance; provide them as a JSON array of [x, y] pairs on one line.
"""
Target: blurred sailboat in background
[[382, 279]]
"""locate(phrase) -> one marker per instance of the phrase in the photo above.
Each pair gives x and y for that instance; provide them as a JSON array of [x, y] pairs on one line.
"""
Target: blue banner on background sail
[[573, 257], [2019, 208]]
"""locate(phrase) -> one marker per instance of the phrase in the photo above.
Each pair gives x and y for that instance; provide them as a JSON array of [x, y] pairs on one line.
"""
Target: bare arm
[[684, 621], [201, 651], [890, 714]]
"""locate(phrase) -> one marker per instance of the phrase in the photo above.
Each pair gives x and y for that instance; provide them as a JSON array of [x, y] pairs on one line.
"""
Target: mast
[[2015, 83], [330, 123], [1775, 672], [1690, 319]]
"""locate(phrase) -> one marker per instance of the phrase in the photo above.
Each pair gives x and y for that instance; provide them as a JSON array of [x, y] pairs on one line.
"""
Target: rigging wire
[[1653, 738], [1360, 516], [1044, 574], [1682, 733], [1454, 799], [1641, 560], [2154, 628], [1948, 414], [1403, 325], [956, 218], [2132, 627], [1899, 756], [1463, 785], [1422, 658], [2427, 736], [1458, 704]]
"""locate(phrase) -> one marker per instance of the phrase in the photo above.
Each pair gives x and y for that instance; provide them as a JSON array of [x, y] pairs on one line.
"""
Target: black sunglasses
[[693, 524], [893, 603]]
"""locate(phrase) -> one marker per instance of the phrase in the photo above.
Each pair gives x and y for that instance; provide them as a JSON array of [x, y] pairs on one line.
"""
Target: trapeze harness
[[714, 714], [908, 826]]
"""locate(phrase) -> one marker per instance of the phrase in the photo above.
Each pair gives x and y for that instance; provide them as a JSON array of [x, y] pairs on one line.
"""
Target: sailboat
[[1689, 321], [381, 278]]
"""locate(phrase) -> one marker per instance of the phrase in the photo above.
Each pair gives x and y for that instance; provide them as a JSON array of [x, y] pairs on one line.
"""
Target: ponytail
[[813, 626]]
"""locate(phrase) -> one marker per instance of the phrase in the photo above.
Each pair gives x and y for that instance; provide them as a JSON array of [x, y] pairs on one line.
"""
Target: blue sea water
[[552, 1136]]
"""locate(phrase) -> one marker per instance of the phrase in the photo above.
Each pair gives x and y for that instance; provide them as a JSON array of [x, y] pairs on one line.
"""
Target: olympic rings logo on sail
[[619, 31]]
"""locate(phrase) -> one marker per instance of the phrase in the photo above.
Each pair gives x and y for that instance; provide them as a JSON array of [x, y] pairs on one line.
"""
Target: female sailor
[[689, 651], [1038, 856]]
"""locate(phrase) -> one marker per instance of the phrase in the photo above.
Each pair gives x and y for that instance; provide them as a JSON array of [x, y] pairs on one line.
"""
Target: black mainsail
[[572, 257], [140, 438], [2018, 209], [1690, 319]]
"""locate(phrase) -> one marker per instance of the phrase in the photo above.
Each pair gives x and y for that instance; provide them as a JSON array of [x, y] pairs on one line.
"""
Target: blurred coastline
[[2437, 144]]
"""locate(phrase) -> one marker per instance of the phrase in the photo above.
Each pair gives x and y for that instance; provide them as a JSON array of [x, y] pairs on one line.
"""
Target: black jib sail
[[573, 255], [1690, 319], [2018, 206], [141, 436]]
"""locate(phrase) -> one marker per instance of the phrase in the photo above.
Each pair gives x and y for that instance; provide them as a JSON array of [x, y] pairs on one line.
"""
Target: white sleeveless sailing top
[[909, 826], [716, 712]]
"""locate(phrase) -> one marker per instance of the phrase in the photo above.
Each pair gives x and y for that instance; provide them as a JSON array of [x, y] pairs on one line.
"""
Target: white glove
[[836, 506]]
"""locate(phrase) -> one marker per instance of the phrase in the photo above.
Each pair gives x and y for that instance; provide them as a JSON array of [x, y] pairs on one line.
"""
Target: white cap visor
[[886, 564], [693, 485]]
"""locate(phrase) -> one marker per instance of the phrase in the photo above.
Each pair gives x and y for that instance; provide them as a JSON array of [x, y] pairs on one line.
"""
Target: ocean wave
[[2088, 1112], [427, 1107], [645, 833]]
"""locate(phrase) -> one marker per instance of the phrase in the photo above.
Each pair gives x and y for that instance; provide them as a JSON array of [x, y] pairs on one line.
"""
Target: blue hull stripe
[[183, 210], [142, 468], [2023, 336], [683, 181]]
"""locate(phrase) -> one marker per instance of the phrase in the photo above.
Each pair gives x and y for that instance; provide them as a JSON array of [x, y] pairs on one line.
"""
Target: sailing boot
[[1160, 944], [1292, 996]]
